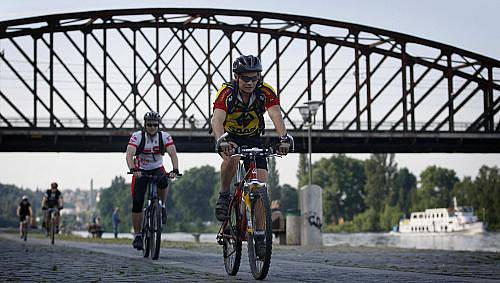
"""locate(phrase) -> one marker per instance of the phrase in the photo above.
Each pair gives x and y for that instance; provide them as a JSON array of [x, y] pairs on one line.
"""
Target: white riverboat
[[443, 220]]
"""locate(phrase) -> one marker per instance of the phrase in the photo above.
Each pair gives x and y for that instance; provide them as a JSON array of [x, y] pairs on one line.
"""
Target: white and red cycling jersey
[[151, 157]]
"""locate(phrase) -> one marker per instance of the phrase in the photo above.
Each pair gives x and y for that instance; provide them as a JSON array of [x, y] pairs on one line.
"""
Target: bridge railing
[[96, 123]]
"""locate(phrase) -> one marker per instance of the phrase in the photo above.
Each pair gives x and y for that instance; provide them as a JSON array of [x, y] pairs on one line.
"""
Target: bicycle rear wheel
[[156, 231], [260, 242], [146, 233], [231, 246]]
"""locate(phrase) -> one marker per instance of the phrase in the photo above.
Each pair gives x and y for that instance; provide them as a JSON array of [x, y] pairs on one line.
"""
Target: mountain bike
[[249, 216], [51, 223], [152, 226]]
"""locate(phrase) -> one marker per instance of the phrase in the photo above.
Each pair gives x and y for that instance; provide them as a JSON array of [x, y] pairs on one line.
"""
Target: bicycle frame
[[51, 222], [246, 184]]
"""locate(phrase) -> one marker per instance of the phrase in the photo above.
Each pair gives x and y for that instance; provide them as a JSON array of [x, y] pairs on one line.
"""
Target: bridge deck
[[198, 140]]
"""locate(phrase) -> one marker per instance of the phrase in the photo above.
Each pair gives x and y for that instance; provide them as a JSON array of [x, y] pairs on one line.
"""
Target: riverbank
[[455, 242]]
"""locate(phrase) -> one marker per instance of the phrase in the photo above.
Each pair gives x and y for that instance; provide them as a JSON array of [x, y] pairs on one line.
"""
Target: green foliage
[[368, 195], [404, 184], [289, 198], [191, 195], [117, 195], [390, 217], [342, 179], [188, 203], [379, 170], [10, 199], [346, 227], [436, 185], [367, 221], [482, 194], [302, 170], [273, 181]]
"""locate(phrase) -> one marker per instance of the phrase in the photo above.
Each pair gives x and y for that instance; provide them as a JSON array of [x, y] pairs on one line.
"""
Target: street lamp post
[[308, 113]]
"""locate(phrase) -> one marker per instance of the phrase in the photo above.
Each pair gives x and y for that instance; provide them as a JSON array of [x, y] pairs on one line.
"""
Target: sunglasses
[[152, 125], [249, 79]]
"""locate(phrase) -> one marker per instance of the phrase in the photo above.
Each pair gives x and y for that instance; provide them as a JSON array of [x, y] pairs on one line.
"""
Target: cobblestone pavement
[[90, 262]]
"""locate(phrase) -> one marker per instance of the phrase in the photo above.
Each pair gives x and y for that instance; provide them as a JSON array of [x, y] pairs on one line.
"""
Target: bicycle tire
[[52, 229], [231, 248], [145, 230], [156, 231], [25, 234], [260, 266]]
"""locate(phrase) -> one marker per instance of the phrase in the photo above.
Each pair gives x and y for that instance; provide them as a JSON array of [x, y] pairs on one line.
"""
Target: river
[[460, 242]]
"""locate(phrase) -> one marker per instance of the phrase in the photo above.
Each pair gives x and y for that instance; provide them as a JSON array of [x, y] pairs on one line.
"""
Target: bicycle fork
[[247, 198]]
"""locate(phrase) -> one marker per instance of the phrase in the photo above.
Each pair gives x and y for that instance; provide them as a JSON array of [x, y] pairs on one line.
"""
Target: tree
[[389, 217], [10, 199], [487, 192], [404, 183], [302, 170], [465, 191], [342, 179], [367, 221], [273, 181], [379, 170], [191, 194], [435, 190], [289, 198], [117, 195]]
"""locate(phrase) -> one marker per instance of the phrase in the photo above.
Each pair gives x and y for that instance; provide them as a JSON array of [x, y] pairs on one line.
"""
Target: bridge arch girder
[[369, 79]]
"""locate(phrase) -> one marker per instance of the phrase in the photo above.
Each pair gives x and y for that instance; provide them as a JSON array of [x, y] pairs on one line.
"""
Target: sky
[[469, 25]]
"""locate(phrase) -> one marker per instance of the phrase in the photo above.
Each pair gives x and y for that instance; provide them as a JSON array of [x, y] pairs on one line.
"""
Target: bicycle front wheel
[[156, 231], [52, 230], [146, 233], [26, 227], [231, 247], [261, 240]]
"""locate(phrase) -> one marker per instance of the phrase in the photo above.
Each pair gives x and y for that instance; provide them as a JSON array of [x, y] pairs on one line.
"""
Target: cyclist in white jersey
[[145, 152]]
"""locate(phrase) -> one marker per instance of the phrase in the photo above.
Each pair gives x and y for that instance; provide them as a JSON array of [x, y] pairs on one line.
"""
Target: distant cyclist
[[145, 152], [52, 199], [24, 213]]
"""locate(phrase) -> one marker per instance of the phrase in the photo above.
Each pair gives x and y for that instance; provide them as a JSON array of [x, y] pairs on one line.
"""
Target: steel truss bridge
[[81, 81]]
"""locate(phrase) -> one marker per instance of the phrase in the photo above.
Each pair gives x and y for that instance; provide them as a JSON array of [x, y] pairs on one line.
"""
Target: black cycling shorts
[[22, 217], [139, 187], [252, 141]]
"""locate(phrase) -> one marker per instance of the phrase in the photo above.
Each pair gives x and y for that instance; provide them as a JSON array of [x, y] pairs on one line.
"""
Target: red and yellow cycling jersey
[[245, 119]]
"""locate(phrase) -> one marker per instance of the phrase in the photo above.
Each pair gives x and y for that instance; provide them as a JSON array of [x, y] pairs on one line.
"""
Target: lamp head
[[313, 106], [304, 112]]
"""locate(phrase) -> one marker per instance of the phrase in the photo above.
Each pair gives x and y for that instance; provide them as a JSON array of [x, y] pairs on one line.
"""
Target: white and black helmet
[[152, 116], [247, 64]]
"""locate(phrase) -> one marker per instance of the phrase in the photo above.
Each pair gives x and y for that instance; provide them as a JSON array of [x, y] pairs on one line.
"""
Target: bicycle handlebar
[[223, 137], [255, 151], [152, 176]]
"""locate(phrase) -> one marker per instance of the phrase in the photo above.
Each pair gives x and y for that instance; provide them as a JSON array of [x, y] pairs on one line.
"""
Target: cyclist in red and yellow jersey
[[239, 110]]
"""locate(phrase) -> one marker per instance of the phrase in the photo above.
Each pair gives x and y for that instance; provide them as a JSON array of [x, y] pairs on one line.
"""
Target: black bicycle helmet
[[152, 116], [247, 64]]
